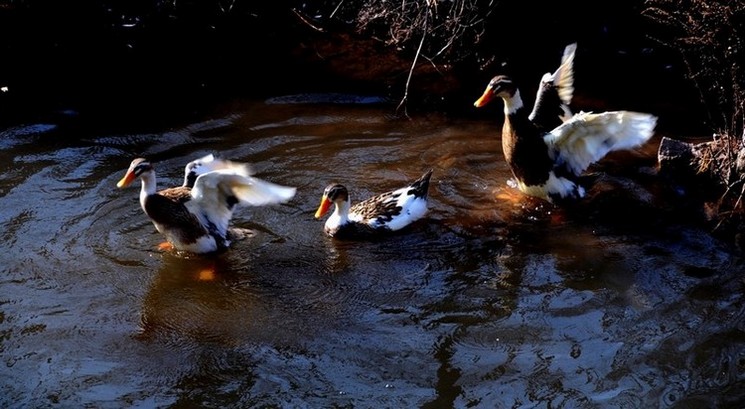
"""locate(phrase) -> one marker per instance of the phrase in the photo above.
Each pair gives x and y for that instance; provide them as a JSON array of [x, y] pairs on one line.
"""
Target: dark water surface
[[493, 301]]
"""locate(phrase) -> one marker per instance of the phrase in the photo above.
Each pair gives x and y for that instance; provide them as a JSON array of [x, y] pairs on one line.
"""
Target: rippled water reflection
[[493, 301]]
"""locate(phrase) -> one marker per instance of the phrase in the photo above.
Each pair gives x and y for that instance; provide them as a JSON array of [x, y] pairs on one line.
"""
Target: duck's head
[[500, 86], [137, 168], [333, 193], [196, 168]]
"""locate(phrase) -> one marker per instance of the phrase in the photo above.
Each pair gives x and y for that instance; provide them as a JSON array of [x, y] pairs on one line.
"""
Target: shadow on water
[[494, 300]]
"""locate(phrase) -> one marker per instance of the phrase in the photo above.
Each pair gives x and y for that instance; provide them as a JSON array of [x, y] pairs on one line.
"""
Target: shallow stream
[[492, 301]]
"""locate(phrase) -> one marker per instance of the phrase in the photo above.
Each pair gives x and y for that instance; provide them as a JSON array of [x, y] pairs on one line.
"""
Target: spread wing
[[224, 185], [555, 93], [588, 137], [216, 193]]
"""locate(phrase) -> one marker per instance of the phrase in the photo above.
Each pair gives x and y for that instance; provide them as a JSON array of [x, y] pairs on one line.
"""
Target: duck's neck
[[512, 104], [340, 216], [148, 187], [516, 120], [517, 126]]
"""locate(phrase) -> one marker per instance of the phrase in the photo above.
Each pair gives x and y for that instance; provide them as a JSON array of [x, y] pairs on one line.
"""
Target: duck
[[384, 213], [195, 217], [555, 93], [547, 154]]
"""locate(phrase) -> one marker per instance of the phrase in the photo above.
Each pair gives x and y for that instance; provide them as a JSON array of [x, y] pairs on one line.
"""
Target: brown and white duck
[[546, 162], [386, 212], [196, 218]]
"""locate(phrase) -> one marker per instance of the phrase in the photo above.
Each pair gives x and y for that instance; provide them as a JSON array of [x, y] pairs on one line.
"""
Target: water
[[493, 301]]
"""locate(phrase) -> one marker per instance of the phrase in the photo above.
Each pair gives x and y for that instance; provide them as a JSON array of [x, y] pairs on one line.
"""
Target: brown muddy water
[[493, 301]]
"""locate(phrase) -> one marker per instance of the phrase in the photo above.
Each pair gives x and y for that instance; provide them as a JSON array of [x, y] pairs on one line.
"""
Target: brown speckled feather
[[167, 208], [382, 207], [179, 194]]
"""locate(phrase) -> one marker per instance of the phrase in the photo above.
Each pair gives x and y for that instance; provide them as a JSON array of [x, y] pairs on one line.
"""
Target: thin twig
[[336, 9], [305, 20], [411, 71]]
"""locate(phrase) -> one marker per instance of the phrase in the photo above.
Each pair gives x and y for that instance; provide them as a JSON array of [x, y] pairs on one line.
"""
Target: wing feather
[[555, 93], [216, 193], [256, 192], [220, 185], [588, 137]]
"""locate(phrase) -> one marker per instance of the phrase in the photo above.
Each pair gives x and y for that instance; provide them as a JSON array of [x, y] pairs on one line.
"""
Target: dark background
[[124, 62]]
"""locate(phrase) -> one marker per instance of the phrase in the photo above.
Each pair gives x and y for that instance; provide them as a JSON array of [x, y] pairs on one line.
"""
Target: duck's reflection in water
[[259, 292]]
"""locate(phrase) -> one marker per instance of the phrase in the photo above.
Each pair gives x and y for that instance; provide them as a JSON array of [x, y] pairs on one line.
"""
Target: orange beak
[[324, 207], [485, 98], [126, 180]]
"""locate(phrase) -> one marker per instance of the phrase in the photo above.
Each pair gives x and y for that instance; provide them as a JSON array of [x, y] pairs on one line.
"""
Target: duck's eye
[[141, 168], [335, 192]]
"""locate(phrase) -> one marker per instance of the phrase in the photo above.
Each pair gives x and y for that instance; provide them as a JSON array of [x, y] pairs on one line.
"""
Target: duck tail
[[420, 187]]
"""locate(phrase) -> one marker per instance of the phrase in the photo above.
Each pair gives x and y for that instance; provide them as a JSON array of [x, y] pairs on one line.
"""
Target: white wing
[[221, 184], [555, 92], [564, 76], [209, 163], [216, 194], [586, 137], [257, 192]]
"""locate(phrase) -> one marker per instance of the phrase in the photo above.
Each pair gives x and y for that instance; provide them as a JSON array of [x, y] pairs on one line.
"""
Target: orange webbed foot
[[510, 196], [165, 246], [207, 274]]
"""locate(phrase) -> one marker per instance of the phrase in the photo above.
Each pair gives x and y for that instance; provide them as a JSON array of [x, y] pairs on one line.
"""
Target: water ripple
[[491, 299]]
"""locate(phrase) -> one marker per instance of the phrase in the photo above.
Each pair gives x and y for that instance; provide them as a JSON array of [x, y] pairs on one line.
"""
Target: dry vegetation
[[434, 32], [436, 28], [710, 36]]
